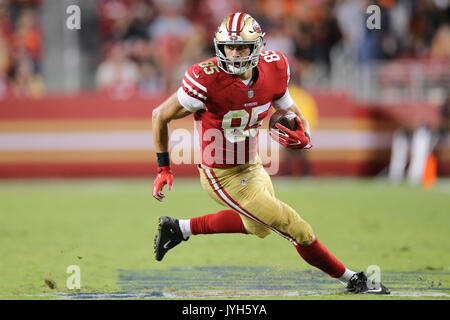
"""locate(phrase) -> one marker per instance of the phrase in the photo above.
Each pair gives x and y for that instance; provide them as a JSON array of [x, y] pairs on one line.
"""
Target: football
[[285, 118]]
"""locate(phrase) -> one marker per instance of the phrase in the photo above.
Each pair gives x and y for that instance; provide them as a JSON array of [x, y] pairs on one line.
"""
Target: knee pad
[[302, 232], [253, 227]]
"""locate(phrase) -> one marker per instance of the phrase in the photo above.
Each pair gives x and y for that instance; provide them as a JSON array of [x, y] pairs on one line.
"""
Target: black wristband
[[163, 159]]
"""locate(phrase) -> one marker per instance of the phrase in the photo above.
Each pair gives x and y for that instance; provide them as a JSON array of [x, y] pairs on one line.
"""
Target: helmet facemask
[[242, 64]]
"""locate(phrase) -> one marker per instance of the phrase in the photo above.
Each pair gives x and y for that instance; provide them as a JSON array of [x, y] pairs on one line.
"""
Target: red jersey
[[228, 113]]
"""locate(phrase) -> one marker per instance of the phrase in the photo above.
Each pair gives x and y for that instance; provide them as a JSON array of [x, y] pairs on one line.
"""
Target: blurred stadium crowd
[[20, 49], [146, 45], [154, 42]]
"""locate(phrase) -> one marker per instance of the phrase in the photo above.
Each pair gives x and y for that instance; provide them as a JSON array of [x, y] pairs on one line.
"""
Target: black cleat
[[168, 236], [359, 283]]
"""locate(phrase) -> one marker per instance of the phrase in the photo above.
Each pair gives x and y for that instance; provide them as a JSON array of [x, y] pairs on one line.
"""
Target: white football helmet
[[238, 28]]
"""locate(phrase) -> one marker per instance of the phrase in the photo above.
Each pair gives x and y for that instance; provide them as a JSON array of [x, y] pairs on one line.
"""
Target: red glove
[[297, 139], [165, 176]]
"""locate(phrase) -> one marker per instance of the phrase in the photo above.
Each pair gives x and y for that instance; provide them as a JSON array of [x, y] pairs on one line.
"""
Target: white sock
[[185, 226], [346, 276]]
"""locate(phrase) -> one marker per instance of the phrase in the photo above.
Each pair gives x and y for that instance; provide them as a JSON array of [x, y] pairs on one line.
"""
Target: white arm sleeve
[[188, 102], [285, 102]]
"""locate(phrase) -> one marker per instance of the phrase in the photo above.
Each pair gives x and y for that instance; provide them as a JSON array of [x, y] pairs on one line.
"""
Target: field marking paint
[[259, 282], [219, 294]]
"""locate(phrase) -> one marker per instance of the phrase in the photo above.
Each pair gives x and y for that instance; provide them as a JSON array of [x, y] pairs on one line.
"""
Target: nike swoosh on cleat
[[166, 244], [374, 290]]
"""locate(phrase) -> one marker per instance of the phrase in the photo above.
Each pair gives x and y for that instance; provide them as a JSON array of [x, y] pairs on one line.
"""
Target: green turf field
[[106, 227]]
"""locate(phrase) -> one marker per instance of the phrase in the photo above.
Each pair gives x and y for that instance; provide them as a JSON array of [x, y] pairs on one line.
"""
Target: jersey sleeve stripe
[[198, 85], [188, 102], [193, 91]]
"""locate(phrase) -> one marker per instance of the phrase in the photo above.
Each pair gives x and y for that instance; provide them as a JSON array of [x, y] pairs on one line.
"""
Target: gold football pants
[[248, 190]]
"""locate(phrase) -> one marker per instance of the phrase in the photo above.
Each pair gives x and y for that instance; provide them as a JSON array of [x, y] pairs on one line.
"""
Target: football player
[[229, 95]]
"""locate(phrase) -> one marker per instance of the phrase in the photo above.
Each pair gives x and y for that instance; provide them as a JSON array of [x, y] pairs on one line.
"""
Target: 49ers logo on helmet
[[233, 37], [256, 26]]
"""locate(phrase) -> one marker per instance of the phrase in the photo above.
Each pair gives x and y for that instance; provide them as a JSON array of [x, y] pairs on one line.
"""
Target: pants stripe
[[222, 194]]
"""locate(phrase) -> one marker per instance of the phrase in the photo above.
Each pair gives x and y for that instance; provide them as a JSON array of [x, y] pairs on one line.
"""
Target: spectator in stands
[[281, 38], [214, 11], [5, 55], [17, 6], [118, 75], [195, 49], [426, 18], [440, 45], [27, 37], [20, 49], [141, 50], [150, 81], [196, 46], [169, 33], [109, 11], [5, 21], [350, 18], [5, 66], [26, 83], [143, 12], [170, 23]]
